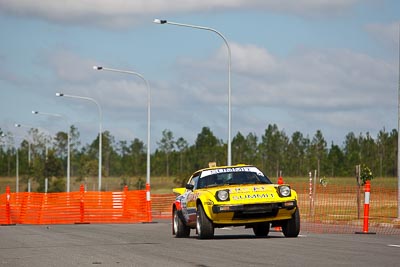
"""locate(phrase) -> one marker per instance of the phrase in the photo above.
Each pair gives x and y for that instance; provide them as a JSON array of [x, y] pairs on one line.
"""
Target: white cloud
[[68, 66], [118, 13], [253, 60], [309, 79], [387, 34], [334, 89], [329, 89]]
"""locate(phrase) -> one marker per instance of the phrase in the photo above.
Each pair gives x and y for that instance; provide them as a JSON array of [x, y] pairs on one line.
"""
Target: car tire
[[291, 228], [261, 229], [179, 229], [204, 226]]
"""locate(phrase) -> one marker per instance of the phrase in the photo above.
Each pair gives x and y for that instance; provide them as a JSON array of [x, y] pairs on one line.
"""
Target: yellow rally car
[[239, 195]]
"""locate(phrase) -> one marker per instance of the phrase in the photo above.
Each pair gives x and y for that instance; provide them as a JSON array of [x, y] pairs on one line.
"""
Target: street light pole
[[148, 123], [17, 169], [100, 129], [398, 139], [68, 143], [29, 143], [161, 21], [16, 162]]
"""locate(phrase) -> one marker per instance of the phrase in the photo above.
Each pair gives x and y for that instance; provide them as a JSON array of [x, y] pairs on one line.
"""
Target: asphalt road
[[153, 245]]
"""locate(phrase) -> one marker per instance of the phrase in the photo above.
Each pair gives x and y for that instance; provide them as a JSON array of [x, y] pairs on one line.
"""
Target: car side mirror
[[189, 186]]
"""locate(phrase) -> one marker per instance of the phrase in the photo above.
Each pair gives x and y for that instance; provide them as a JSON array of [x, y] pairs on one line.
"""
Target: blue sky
[[304, 65]]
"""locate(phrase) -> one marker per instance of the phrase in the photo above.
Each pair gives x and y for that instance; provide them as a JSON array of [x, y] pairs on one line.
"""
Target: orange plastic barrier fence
[[162, 205], [330, 209], [340, 208], [74, 207]]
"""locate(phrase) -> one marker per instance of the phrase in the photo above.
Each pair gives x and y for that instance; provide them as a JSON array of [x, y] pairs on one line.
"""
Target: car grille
[[256, 211]]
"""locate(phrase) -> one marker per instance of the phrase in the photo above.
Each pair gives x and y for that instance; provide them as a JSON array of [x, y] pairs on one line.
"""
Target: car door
[[186, 201]]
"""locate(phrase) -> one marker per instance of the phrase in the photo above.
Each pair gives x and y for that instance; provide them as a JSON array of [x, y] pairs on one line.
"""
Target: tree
[[74, 144], [61, 146], [244, 149], [318, 149], [53, 166], [336, 160], [53, 170], [250, 153], [368, 151], [275, 152], [352, 153], [137, 157], [297, 148], [274, 145], [166, 145], [108, 152], [50, 168], [182, 145], [391, 151], [238, 148], [207, 148], [25, 158], [382, 140]]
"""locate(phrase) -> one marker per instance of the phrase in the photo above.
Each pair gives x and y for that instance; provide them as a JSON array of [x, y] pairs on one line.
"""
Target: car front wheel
[[204, 226], [292, 227], [179, 229], [261, 229]]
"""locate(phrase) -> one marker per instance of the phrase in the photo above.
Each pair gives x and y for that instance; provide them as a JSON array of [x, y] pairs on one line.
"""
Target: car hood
[[249, 193]]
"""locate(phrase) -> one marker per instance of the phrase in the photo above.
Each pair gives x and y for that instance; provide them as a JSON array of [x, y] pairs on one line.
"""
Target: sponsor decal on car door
[[191, 205]]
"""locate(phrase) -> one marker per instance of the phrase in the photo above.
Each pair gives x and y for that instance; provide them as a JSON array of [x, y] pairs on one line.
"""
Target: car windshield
[[231, 178]]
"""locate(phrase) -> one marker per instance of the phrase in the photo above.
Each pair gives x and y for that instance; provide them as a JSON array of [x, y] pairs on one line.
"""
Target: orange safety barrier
[[334, 208], [162, 205], [367, 190], [6, 211], [366, 206], [74, 207]]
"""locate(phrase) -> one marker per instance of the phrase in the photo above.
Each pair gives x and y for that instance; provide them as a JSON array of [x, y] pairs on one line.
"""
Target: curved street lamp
[[162, 21], [148, 121], [68, 142], [100, 128]]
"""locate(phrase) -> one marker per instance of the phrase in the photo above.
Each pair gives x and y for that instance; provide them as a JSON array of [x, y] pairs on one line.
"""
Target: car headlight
[[284, 191], [222, 195]]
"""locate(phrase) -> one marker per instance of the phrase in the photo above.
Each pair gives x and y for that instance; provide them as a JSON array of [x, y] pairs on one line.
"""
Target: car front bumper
[[254, 211]]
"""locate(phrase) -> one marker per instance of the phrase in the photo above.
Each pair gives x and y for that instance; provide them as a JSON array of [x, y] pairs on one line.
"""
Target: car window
[[194, 182], [208, 181]]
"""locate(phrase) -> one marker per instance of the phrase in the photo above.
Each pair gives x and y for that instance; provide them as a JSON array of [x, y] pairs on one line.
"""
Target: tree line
[[274, 152]]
